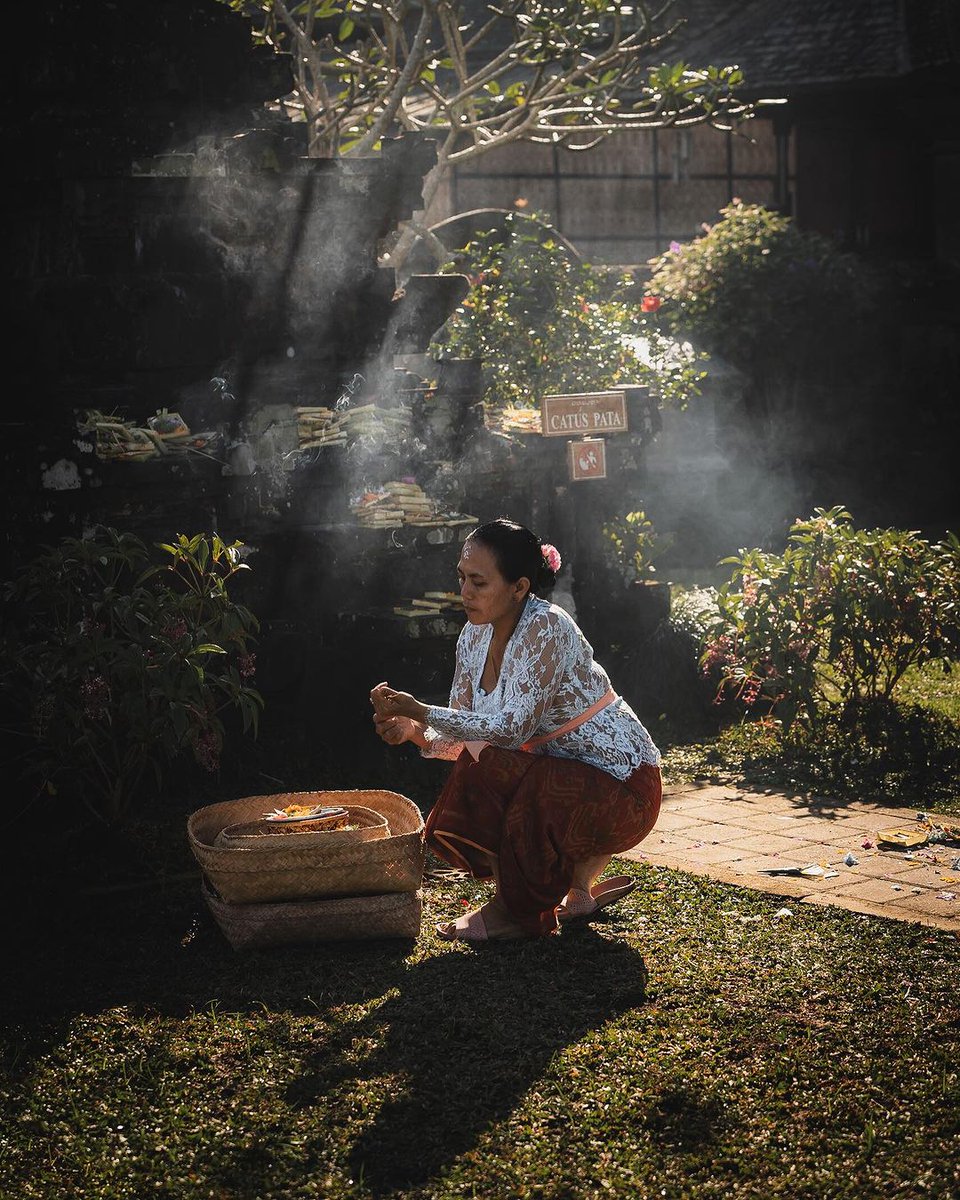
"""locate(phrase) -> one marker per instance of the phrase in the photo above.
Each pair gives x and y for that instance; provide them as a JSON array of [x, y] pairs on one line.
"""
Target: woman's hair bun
[[520, 553]]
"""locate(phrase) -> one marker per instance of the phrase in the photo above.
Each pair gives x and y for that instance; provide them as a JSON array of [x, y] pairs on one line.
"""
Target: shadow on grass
[[427, 1054], [470, 1033]]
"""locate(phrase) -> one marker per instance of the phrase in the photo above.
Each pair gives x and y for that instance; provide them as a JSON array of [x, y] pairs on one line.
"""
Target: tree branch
[[411, 69]]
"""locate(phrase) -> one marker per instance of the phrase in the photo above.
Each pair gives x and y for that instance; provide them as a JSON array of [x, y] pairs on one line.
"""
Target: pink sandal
[[474, 929], [582, 906]]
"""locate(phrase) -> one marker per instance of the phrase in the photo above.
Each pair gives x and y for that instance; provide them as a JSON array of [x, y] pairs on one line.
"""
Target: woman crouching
[[554, 772]]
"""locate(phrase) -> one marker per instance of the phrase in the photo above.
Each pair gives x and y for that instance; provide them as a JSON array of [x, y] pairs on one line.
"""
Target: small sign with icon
[[587, 459]]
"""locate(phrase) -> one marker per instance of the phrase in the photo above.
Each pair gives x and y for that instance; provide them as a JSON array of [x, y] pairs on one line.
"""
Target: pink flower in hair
[[551, 556]]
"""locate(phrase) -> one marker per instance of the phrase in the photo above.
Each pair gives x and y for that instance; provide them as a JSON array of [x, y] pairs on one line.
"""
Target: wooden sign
[[583, 413], [587, 459]]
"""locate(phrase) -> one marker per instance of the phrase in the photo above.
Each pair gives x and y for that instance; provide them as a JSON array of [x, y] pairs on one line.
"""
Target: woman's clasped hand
[[397, 716]]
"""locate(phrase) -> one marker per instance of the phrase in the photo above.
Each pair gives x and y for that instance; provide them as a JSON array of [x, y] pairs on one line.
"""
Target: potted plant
[[633, 546]]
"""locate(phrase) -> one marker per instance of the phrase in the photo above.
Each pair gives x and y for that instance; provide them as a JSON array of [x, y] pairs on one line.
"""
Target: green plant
[[119, 663], [693, 611], [635, 545], [839, 617], [756, 286], [544, 322]]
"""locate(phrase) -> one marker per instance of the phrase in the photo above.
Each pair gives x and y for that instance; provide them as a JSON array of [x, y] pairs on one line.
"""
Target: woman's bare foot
[[489, 922], [587, 872]]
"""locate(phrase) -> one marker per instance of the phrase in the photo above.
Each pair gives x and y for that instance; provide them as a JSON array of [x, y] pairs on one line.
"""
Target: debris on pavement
[[901, 839], [811, 870]]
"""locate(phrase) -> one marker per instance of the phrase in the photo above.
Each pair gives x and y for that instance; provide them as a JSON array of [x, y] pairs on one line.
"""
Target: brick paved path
[[739, 836]]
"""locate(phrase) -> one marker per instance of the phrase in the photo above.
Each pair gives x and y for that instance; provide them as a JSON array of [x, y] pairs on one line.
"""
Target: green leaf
[[347, 26]]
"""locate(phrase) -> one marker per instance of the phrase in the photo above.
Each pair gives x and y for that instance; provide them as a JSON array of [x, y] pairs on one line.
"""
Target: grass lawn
[[692, 1044], [695, 1043]]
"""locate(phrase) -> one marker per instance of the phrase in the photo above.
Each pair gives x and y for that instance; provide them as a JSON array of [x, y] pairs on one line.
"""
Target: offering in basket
[[335, 824], [305, 812]]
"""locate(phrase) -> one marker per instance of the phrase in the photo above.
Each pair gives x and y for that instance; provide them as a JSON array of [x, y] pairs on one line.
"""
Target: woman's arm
[[534, 669], [400, 717]]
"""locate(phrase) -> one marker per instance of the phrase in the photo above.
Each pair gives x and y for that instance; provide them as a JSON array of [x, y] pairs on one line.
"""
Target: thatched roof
[[792, 46]]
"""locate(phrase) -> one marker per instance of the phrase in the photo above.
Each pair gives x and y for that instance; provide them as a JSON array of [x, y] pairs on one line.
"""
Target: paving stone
[[879, 866], [776, 803], [715, 854], [765, 843], [843, 879], [758, 864], [927, 902], [724, 835], [874, 891], [669, 843], [713, 813], [758, 821], [822, 853], [669, 822], [708, 791], [733, 835]]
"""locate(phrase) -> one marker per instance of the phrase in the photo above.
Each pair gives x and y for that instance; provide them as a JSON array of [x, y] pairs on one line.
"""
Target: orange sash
[[609, 697]]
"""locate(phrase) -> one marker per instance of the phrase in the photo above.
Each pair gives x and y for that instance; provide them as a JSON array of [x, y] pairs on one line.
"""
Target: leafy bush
[[634, 545], [118, 664], [693, 612], [754, 285], [887, 748], [544, 323], [839, 617]]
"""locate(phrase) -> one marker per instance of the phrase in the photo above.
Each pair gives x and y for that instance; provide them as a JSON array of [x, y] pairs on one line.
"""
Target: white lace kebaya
[[548, 678]]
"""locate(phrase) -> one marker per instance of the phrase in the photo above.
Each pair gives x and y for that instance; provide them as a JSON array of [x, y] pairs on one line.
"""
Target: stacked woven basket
[[266, 884]]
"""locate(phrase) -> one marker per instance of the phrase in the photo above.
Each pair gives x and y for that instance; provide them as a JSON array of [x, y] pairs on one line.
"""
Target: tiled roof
[[792, 44]]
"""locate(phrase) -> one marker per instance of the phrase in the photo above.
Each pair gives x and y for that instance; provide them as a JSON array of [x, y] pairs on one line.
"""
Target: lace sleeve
[[461, 698], [533, 672]]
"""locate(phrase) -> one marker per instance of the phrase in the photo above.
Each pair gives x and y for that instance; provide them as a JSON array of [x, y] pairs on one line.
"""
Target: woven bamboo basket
[[282, 871], [252, 926], [327, 831]]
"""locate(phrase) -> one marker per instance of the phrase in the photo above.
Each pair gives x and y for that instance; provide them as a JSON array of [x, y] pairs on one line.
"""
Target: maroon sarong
[[540, 815]]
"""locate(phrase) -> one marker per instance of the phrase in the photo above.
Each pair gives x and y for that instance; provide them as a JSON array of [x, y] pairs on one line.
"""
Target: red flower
[[650, 303]]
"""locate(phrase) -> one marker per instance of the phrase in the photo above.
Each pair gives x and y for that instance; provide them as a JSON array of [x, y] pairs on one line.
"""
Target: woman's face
[[487, 596]]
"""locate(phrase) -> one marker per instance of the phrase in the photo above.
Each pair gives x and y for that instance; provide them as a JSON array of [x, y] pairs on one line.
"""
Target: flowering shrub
[[693, 611], [634, 545], [839, 617], [544, 323], [119, 663], [754, 285]]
